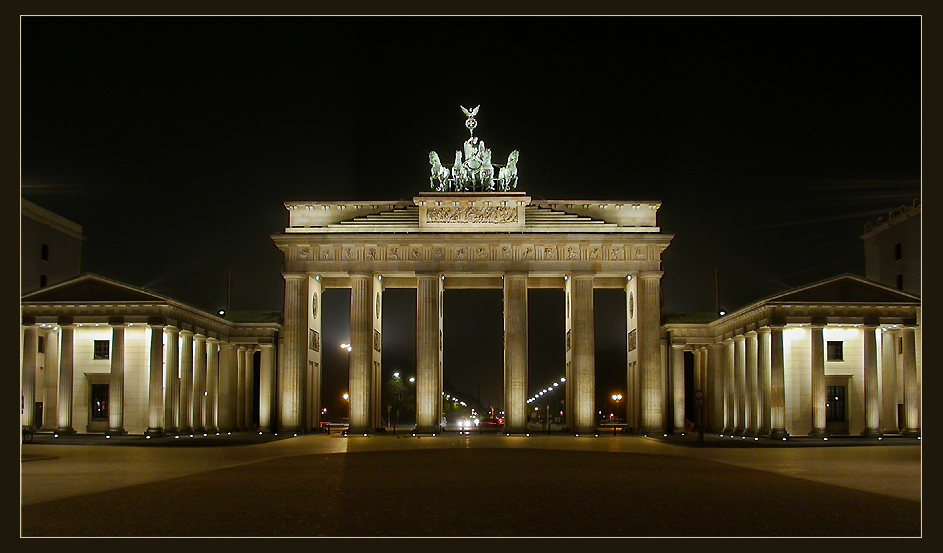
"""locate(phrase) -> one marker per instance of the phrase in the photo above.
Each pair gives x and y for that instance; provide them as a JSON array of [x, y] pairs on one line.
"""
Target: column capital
[[360, 274], [198, 336], [763, 330], [650, 274], [172, 329], [739, 338], [266, 346], [750, 333], [211, 340], [294, 276], [678, 345], [184, 332]]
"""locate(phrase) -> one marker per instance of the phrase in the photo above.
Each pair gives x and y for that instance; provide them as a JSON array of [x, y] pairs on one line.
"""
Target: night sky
[[174, 142]]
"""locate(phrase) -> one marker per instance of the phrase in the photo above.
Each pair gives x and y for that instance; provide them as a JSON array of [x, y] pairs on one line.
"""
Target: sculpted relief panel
[[472, 214], [487, 252]]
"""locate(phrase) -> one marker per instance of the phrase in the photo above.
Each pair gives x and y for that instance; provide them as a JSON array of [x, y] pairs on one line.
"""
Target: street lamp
[[616, 398]]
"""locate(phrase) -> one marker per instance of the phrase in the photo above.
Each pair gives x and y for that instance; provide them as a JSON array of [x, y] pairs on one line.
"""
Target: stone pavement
[[477, 485]]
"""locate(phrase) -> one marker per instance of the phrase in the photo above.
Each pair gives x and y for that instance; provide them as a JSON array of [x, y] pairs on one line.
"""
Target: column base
[[872, 433], [910, 432], [186, 431], [738, 431], [778, 433], [116, 431], [154, 432], [727, 430], [818, 433], [763, 433], [65, 430]]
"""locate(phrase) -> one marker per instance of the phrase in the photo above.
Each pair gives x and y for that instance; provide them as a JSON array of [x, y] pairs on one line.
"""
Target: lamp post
[[616, 398]]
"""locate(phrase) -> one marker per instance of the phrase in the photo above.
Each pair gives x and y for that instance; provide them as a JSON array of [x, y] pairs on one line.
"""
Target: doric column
[[198, 397], [872, 399], [911, 393], [240, 407], [889, 421], [267, 387], [171, 372], [361, 355], [64, 422], [730, 386], [186, 382], [715, 396], [763, 382], [312, 380], [740, 383], [51, 379], [777, 384], [677, 387], [377, 413], [583, 359], [293, 361], [249, 396], [653, 395], [116, 381], [750, 418], [226, 390], [515, 352], [28, 390], [155, 396], [211, 404], [427, 352], [819, 398]]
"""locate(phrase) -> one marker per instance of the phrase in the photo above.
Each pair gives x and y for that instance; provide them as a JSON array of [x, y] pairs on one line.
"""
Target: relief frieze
[[472, 215], [488, 252]]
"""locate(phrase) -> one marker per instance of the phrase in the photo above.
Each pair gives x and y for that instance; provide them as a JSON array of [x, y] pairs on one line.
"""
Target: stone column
[[777, 384], [730, 386], [64, 423], [211, 404], [240, 407], [888, 381], [226, 391], [377, 412], [819, 390], [515, 352], [361, 353], [171, 371], [763, 382], [155, 396], [751, 421], [740, 384], [116, 381], [677, 387], [28, 389], [266, 388], [911, 392], [583, 341], [649, 323], [186, 382], [51, 380], [29, 368], [197, 408], [872, 399], [427, 352], [249, 397], [312, 380], [715, 396], [289, 377]]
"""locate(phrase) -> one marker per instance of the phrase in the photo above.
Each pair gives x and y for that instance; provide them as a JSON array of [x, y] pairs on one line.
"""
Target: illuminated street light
[[348, 347], [396, 375]]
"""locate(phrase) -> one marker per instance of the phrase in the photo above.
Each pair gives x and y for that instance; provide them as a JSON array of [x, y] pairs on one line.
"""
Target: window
[[834, 351], [99, 406], [900, 282], [44, 252], [42, 281], [40, 343], [897, 252], [101, 349]]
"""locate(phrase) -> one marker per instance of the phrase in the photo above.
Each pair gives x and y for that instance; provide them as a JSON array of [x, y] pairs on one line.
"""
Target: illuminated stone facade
[[443, 240]]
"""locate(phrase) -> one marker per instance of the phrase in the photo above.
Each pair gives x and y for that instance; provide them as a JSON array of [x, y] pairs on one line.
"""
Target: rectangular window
[[834, 351], [40, 345], [900, 282], [101, 349], [42, 281], [44, 252], [897, 252], [99, 404]]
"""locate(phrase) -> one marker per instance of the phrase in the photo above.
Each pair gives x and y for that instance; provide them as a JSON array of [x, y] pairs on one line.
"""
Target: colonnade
[[196, 383], [742, 378], [364, 376]]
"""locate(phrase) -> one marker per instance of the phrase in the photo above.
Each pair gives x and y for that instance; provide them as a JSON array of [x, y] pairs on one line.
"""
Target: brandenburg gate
[[473, 229]]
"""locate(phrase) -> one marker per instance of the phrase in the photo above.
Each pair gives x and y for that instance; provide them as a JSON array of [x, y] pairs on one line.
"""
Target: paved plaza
[[476, 485]]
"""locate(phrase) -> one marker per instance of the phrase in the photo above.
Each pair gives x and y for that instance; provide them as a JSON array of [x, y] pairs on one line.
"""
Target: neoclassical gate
[[471, 231]]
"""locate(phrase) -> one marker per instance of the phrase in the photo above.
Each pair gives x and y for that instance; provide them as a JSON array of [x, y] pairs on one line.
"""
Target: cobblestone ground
[[478, 491]]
